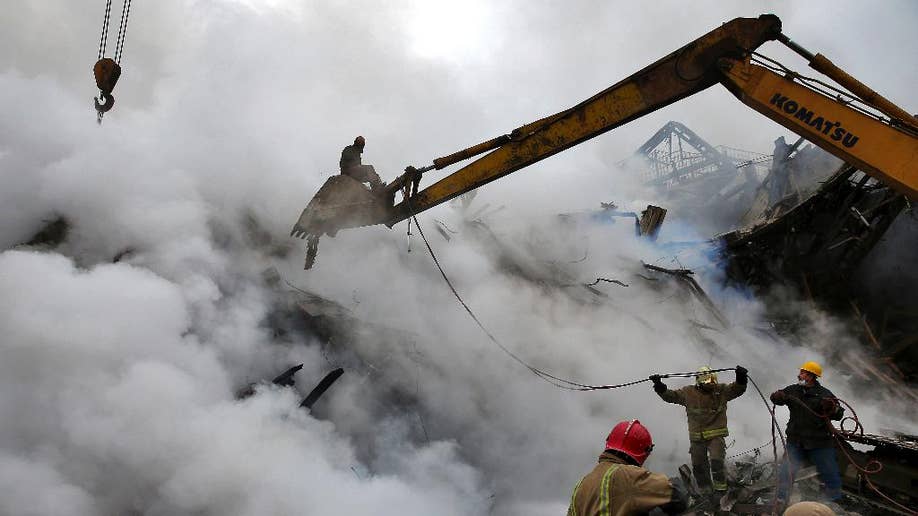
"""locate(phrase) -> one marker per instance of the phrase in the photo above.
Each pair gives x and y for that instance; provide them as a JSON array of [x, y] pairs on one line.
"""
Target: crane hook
[[107, 102], [106, 72]]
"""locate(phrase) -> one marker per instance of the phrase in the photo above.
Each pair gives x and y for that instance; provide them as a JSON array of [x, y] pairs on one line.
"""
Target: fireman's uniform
[[706, 412], [616, 488]]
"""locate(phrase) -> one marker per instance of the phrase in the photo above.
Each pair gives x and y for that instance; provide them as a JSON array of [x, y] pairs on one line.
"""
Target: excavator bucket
[[341, 203]]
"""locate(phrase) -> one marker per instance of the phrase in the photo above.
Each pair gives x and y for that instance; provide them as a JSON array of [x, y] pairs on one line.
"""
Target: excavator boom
[[682, 73], [887, 153], [886, 149]]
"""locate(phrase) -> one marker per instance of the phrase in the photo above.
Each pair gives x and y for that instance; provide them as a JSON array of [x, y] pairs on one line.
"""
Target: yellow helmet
[[705, 376], [812, 367]]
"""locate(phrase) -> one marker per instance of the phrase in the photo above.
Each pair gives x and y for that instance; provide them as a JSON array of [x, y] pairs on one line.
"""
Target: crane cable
[[122, 29], [104, 40]]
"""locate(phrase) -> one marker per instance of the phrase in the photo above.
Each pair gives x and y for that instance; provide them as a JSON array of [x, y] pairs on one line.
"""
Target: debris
[[127, 252], [442, 229], [51, 235], [320, 389], [817, 247], [685, 276], [820, 238], [261, 238], [617, 282], [648, 224], [284, 379], [651, 220]]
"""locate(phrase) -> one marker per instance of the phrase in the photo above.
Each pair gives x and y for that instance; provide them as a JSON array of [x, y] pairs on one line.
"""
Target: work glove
[[742, 375], [658, 384], [828, 406], [779, 398]]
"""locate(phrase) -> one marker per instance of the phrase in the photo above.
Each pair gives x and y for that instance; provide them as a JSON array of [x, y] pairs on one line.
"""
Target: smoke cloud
[[117, 380]]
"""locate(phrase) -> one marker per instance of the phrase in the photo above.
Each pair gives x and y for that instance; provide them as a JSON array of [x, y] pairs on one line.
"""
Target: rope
[[757, 448], [122, 29], [556, 381], [104, 40], [774, 447], [872, 466]]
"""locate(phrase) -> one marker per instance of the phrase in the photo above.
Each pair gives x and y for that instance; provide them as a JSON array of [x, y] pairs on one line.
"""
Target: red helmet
[[359, 141], [631, 438]]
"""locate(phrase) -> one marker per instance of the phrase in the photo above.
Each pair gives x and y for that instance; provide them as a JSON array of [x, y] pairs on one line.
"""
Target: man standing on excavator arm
[[809, 433], [706, 410]]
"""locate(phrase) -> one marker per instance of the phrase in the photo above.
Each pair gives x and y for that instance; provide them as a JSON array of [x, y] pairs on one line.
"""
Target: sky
[[117, 381]]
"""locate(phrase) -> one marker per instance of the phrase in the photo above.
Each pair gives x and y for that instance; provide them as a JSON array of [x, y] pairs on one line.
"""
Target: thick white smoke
[[117, 380]]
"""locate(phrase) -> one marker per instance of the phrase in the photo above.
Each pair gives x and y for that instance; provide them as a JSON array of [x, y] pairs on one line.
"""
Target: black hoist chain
[[104, 40], [122, 30]]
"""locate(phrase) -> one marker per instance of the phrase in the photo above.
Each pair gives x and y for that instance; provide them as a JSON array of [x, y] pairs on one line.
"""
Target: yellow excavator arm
[[885, 148]]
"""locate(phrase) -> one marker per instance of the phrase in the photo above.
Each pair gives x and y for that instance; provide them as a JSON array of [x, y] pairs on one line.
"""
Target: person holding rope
[[706, 410], [620, 486], [809, 432]]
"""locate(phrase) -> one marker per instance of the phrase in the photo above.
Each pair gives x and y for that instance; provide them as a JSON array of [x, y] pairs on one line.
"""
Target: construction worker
[[809, 433], [706, 410], [619, 486], [351, 166]]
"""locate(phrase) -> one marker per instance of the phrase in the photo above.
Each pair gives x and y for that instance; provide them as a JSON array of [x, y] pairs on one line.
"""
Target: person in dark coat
[[350, 164], [809, 432]]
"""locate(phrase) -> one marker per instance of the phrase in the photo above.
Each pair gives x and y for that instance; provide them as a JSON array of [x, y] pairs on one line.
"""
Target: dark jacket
[[706, 411], [350, 157], [806, 427]]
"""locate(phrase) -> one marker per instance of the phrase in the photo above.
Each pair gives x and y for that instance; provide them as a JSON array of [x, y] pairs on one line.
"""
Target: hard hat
[[705, 376], [631, 438], [359, 141], [808, 509], [812, 367]]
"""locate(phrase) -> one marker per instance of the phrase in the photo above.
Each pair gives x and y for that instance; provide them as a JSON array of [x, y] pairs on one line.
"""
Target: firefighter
[[619, 486], [809, 433], [706, 410], [351, 166]]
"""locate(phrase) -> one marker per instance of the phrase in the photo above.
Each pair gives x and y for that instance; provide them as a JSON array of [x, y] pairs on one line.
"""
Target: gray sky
[[117, 379]]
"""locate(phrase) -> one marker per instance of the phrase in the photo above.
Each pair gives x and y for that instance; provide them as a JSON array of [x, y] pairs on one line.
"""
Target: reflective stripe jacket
[[706, 411], [615, 488]]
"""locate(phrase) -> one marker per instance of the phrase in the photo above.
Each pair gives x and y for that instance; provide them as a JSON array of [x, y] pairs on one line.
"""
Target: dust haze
[[118, 379]]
